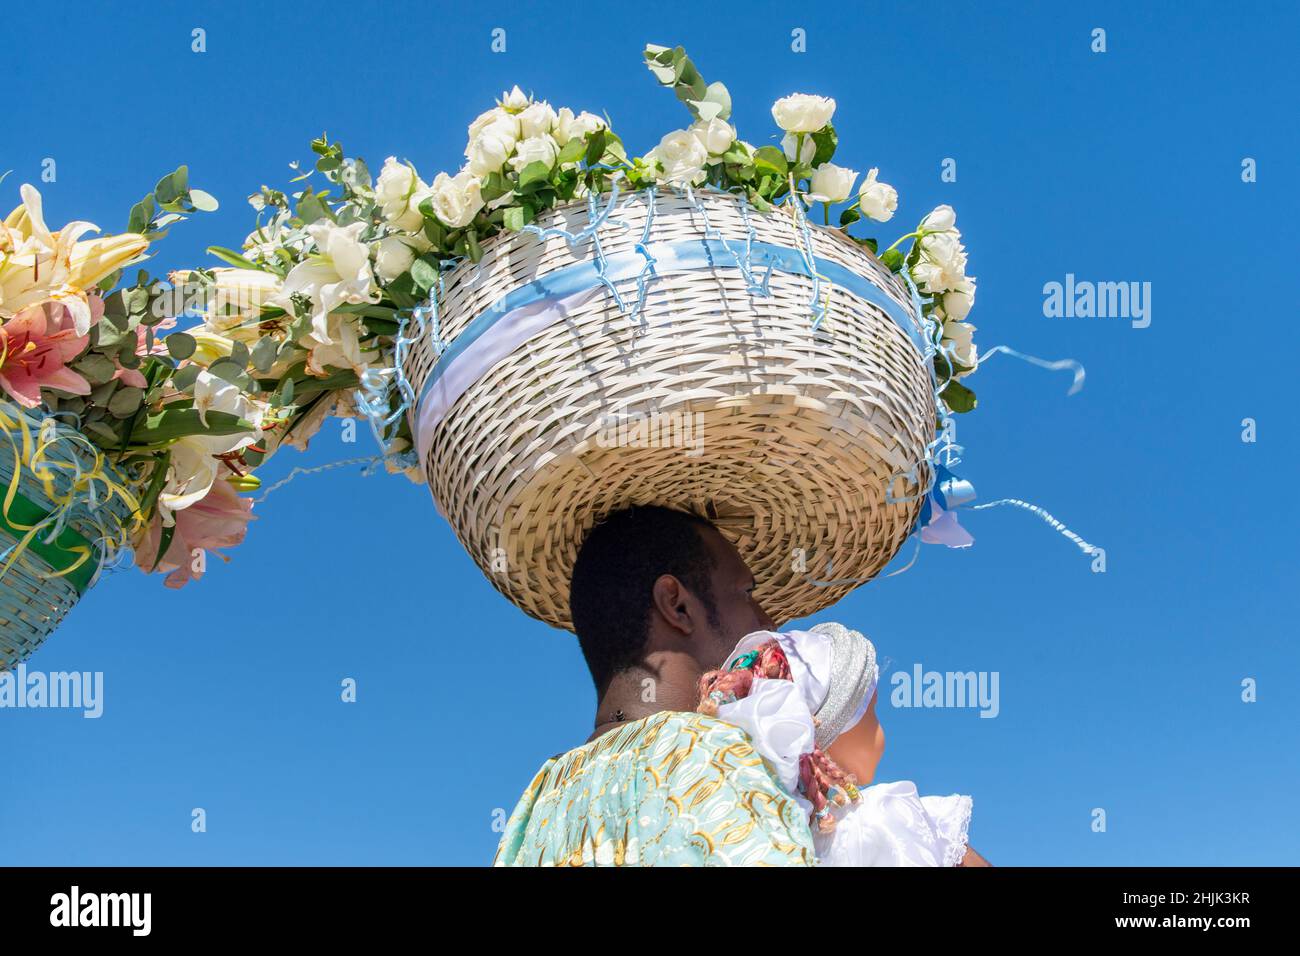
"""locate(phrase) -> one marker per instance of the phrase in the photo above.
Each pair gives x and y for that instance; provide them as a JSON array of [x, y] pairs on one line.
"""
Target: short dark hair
[[610, 595]]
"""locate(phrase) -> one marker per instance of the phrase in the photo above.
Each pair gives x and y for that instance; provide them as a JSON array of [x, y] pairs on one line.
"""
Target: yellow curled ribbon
[[90, 486]]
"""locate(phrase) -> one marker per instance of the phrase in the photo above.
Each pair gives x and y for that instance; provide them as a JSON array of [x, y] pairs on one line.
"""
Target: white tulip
[[716, 135], [536, 120], [942, 219], [877, 200], [806, 154], [682, 158], [393, 257], [457, 200], [802, 112], [831, 183], [538, 149], [394, 189]]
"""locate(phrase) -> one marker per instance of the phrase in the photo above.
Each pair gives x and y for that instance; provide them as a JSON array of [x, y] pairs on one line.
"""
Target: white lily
[[338, 273]]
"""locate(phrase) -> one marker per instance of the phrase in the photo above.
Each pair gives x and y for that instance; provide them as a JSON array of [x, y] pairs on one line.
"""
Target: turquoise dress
[[673, 789]]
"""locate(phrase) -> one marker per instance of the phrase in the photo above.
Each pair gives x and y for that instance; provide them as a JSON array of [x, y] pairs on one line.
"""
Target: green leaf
[[230, 369], [769, 160], [157, 480], [102, 434], [231, 257], [264, 353], [239, 354], [173, 423], [534, 175], [125, 402], [180, 345], [96, 368], [826, 140], [571, 152], [595, 147], [203, 201], [758, 202], [958, 397], [494, 187], [164, 545], [475, 250], [849, 216], [515, 218], [424, 274], [892, 259], [141, 214], [172, 186], [312, 207]]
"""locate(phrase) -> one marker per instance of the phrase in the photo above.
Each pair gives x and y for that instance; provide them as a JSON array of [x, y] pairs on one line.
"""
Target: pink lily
[[35, 348], [218, 520]]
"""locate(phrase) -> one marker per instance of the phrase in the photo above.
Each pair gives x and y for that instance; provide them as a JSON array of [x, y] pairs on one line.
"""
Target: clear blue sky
[[1119, 691]]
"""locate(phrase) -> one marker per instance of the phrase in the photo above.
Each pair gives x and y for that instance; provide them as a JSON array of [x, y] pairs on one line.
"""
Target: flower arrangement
[[330, 275], [103, 401], [306, 319]]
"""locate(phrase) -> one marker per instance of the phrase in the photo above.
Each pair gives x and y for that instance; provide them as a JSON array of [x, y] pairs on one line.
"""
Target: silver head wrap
[[852, 681]]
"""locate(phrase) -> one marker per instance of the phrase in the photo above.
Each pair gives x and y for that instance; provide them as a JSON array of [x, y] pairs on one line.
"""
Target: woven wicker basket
[[33, 601], [804, 431]]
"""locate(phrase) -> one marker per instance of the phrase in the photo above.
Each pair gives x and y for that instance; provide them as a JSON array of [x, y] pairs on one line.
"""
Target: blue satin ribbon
[[949, 493], [667, 257]]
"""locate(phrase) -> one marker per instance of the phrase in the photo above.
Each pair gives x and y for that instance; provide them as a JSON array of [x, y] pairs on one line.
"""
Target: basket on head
[[45, 577], [547, 400]]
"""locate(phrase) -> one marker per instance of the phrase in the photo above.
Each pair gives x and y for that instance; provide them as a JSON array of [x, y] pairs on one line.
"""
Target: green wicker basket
[[34, 594]]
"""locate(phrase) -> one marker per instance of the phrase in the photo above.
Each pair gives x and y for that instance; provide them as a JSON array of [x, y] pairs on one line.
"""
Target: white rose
[[494, 115], [716, 135], [682, 158], [457, 199], [393, 257], [957, 301], [788, 143], [942, 219], [877, 200], [959, 338], [802, 112], [568, 126], [490, 149], [831, 183], [536, 120], [538, 149], [942, 266], [515, 101], [396, 186]]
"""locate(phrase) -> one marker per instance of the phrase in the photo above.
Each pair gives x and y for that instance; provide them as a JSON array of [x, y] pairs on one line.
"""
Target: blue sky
[[1119, 691]]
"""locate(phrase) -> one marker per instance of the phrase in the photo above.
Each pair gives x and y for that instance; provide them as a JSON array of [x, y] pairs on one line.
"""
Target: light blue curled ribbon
[[685, 255]]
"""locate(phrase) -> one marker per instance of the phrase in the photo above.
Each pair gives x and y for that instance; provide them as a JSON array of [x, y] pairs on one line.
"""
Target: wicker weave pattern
[[33, 604], [801, 430]]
